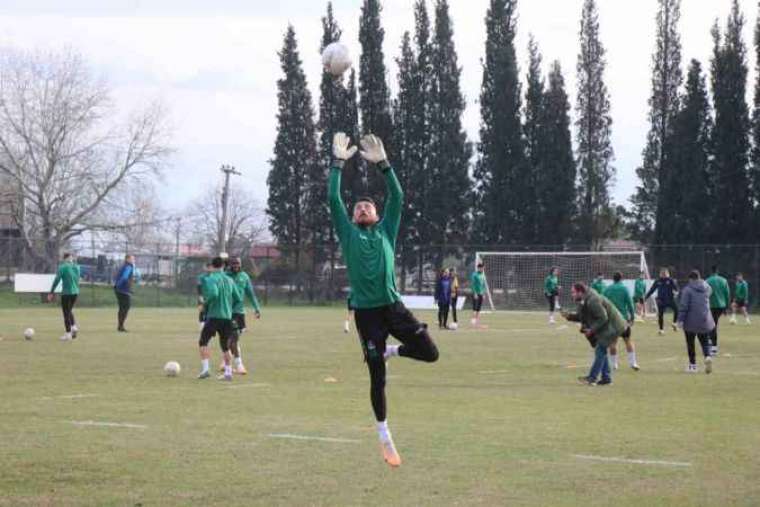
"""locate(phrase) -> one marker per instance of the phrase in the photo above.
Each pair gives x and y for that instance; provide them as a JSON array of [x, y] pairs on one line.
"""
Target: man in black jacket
[[667, 292]]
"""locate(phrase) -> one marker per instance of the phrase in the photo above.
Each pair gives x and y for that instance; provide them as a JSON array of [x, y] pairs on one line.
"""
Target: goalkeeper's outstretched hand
[[342, 149], [373, 150]]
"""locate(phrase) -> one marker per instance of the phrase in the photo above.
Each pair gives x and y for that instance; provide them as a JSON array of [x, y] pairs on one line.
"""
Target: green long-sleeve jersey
[[621, 298], [245, 287], [551, 284], [721, 294], [478, 283], [598, 285], [742, 290], [369, 252], [220, 295], [639, 289], [68, 274]]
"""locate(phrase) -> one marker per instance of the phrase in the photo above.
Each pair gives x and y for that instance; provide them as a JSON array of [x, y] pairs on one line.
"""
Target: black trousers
[[704, 340], [443, 314], [374, 326], [661, 307], [716, 314], [552, 300], [125, 303], [454, 308], [67, 305]]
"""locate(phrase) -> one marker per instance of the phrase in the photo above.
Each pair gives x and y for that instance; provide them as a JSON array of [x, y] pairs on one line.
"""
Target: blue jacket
[[125, 278], [443, 290], [666, 290]]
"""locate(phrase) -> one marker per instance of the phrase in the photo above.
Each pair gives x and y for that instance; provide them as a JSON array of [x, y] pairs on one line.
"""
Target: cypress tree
[[450, 152], [730, 142], [652, 195], [594, 129], [689, 205], [374, 101], [295, 151], [501, 163], [755, 153], [534, 145], [555, 181]]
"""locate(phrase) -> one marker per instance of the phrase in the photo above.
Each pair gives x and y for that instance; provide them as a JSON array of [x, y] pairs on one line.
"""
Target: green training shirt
[[550, 285], [369, 252], [640, 289], [478, 283], [721, 294], [742, 290], [220, 295], [618, 294], [68, 274], [598, 285], [245, 288]]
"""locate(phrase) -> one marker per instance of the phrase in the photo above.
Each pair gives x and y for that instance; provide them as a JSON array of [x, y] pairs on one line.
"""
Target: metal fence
[[315, 274]]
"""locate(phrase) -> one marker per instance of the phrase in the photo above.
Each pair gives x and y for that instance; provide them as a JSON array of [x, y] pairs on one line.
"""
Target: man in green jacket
[[741, 299], [220, 295], [602, 324], [719, 299], [618, 294], [68, 274], [478, 286], [639, 291], [598, 284], [368, 245], [245, 288]]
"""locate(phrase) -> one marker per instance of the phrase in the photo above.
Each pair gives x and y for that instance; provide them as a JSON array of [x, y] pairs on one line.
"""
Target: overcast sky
[[215, 64]]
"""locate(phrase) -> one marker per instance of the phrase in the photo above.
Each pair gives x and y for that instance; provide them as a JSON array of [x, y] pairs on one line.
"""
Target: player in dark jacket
[[667, 292]]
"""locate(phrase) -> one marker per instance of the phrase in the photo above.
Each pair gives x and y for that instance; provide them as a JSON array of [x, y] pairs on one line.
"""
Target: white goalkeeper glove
[[342, 149], [373, 150]]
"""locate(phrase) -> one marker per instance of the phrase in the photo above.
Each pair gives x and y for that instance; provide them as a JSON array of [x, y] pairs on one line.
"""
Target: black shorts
[[477, 302], [741, 303], [627, 333], [238, 319], [349, 305], [375, 324], [223, 327]]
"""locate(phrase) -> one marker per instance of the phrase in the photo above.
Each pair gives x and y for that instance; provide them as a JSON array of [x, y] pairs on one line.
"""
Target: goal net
[[515, 280]]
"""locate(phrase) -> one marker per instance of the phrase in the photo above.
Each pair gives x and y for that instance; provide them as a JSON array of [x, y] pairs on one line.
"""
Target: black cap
[[366, 199]]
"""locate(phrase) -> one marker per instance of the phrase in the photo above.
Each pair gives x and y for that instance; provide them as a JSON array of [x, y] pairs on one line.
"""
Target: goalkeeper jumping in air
[[368, 244]]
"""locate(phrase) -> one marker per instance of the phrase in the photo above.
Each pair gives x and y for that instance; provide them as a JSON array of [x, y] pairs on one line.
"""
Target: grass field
[[499, 420]]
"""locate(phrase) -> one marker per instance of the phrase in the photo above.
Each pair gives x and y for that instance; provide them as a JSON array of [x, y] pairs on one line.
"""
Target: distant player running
[[551, 292], [639, 291], [220, 295], [478, 286], [667, 291], [741, 299], [618, 294], [719, 298], [368, 245], [68, 274], [245, 288]]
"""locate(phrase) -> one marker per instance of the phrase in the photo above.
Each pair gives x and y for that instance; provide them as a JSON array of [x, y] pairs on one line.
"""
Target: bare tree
[[61, 146], [246, 222]]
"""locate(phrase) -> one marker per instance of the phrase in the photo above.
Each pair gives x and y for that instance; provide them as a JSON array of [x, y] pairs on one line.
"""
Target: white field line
[[317, 439], [493, 372], [241, 386], [109, 424], [69, 397], [666, 359], [633, 461]]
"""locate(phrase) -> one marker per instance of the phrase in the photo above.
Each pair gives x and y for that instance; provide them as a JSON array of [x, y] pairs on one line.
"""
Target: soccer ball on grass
[[29, 333], [453, 326], [172, 369]]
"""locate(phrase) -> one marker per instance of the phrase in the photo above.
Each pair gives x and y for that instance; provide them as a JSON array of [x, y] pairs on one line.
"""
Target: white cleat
[[66, 337], [692, 368], [749, 322], [661, 332], [733, 321], [552, 321], [635, 367], [708, 365]]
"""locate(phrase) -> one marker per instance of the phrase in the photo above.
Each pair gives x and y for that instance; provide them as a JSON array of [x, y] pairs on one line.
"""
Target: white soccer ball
[[29, 333], [336, 59], [453, 326], [172, 369]]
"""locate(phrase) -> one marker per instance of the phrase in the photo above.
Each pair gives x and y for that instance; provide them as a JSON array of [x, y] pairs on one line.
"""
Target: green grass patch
[[499, 420]]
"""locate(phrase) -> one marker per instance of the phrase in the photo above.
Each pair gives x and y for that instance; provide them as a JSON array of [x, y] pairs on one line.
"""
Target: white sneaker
[[713, 351], [635, 367], [661, 332], [748, 321], [552, 321], [733, 321], [708, 365], [692, 368], [346, 327], [66, 337]]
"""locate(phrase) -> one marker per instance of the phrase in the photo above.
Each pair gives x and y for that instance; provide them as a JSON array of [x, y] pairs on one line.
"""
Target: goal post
[[515, 280]]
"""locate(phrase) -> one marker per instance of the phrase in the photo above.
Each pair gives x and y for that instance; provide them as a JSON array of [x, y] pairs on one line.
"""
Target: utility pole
[[227, 170], [176, 251]]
